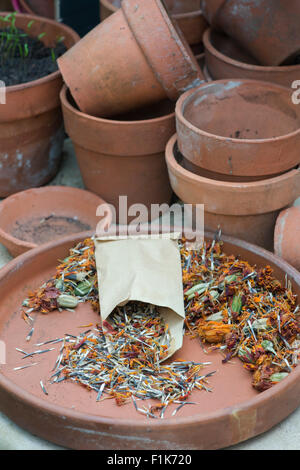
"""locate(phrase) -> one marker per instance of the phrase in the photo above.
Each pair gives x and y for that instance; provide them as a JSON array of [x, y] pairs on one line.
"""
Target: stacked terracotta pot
[[119, 104], [255, 39], [236, 151]]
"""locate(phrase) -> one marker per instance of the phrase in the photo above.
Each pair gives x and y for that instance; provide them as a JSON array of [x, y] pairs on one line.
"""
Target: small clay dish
[[31, 218], [238, 127], [226, 59]]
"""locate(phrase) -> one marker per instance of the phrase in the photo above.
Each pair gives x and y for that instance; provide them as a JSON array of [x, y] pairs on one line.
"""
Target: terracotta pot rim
[[167, 423], [178, 16], [4, 205], [241, 186], [259, 68], [66, 102], [186, 97], [52, 76]]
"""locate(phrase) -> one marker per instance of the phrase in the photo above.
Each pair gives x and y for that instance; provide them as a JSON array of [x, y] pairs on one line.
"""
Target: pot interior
[[242, 110], [174, 6], [156, 110]]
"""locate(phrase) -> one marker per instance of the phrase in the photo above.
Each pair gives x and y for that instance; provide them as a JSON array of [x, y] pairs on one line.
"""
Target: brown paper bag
[[144, 268]]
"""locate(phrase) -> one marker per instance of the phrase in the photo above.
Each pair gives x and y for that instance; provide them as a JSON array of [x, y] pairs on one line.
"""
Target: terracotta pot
[[201, 61], [267, 29], [187, 14], [210, 8], [5, 5], [125, 68], [51, 213], [31, 125], [70, 416], [124, 157], [245, 210], [261, 138], [225, 59], [287, 236], [44, 8]]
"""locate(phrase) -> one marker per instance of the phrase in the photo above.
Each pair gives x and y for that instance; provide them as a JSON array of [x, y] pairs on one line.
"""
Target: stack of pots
[[119, 101], [186, 13], [236, 151], [255, 39]]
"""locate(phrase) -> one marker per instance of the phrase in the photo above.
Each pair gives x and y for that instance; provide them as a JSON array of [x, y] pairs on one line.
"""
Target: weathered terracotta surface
[[245, 210], [201, 61], [287, 236], [225, 59], [187, 14], [38, 7], [70, 416], [267, 29], [51, 213], [125, 156], [31, 125], [125, 67], [239, 128], [218, 176]]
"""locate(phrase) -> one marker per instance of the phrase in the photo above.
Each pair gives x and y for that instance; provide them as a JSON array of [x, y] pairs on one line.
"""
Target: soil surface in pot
[[242, 111], [24, 59], [42, 230], [227, 46]]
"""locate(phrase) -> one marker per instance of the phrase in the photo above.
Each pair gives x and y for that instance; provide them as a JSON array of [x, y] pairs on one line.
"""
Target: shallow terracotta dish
[[239, 127], [70, 416], [38, 216], [224, 58]]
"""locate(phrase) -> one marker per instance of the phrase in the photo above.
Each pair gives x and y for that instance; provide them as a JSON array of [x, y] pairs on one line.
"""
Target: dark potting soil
[[16, 68]]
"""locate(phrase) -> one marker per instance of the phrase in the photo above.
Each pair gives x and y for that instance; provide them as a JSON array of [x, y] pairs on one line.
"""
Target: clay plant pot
[[267, 29], [135, 57], [51, 213], [44, 8], [245, 210], [71, 417], [31, 124], [287, 236], [187, 14], [243, 128], [224, 58], [123, 157]]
